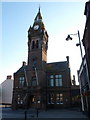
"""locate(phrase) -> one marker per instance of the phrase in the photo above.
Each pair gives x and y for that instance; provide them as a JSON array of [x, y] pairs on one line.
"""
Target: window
[[33, 99], [34, 82], [51, 98], [21, 81], [33, 44], [37, 45], [59, 98], [58, 80], [55, 80], [19, 100], [51, 80]]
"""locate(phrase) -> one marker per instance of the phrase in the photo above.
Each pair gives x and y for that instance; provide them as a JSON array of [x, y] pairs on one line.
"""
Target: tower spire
[[39, 8], [38, 16]]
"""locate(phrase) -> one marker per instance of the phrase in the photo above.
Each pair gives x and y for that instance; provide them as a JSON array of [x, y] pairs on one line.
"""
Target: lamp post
[[78, 44]]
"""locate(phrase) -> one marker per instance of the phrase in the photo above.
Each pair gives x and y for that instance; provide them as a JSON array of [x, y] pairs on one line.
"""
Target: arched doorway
[[32, 101]]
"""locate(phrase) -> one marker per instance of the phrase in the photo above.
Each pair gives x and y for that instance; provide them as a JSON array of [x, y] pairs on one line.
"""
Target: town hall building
[[38, 84]]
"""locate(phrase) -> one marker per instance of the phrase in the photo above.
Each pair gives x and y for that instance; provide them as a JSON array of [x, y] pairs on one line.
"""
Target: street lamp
[[78, 44]]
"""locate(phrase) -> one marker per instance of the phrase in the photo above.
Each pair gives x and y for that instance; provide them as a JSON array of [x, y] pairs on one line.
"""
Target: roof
[[87, 8], [21, 70], [57, 66], [38, 16]]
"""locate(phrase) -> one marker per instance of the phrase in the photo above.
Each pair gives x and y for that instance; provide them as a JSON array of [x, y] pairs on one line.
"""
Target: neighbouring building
[[86, 36], [6, 92], [84, 85], [39, 84], [85, 82]]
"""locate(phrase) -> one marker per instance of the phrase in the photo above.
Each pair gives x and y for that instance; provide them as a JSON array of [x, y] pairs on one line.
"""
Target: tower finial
[[39, 8]]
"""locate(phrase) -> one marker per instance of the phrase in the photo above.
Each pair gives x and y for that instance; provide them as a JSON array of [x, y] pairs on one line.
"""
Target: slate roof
[[21, 70], [57, 66], [54, 66]]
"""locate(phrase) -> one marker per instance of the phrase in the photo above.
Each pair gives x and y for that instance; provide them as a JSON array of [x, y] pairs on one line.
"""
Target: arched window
[[33, 44], [37, 44]]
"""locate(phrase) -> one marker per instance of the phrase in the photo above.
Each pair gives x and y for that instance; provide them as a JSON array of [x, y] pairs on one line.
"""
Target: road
[[8, 113]]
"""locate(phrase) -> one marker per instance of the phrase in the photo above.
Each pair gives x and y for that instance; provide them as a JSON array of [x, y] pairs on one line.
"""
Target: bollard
[[25, 115], [37, 113]]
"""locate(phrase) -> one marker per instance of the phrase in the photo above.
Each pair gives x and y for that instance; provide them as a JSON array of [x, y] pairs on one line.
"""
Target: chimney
[[68, 60], [23, 63], [9, 77], [74, 81]]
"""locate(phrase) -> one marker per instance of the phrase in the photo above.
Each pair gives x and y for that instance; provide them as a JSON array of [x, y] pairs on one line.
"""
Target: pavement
[[8, 113]]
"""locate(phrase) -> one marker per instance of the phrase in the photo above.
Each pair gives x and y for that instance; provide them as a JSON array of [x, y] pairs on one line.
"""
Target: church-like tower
[[37, 60], [37, 52], [37, 42]]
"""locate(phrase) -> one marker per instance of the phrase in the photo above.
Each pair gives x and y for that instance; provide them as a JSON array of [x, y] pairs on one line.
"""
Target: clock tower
[[37, 43], [37, 59]]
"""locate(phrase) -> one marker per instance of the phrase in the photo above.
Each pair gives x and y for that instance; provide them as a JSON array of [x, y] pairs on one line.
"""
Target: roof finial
[[39, 8]]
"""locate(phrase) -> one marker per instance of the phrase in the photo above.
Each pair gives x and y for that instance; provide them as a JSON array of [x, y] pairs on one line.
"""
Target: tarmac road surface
[[31, 114]]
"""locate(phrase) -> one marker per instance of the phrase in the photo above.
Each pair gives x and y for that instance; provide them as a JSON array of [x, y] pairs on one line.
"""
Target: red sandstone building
[[39, 84]]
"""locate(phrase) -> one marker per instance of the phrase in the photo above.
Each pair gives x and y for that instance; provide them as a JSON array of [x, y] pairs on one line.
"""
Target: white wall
[[7, 89]]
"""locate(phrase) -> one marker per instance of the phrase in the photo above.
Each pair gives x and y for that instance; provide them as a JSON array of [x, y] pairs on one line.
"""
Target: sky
[[60, 19]]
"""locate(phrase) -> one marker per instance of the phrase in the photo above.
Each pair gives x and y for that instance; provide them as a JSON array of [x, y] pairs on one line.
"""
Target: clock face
[[36, 27]]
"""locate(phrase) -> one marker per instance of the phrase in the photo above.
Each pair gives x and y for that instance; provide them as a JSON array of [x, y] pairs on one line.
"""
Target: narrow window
[[37, 44], [18, 99], [51, 80], [34, 82], [58, 80], [61, 98], [33, 44], [51, 98], [58, 98], [21, 81]]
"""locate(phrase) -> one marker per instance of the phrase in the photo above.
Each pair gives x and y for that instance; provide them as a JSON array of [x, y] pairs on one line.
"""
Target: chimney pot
[[24, 63], [9, 77], [67, 58]]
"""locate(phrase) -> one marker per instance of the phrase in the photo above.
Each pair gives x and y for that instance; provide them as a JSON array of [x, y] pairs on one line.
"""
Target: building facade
[[84, 85], [39, 84], [86, 36], [6, 92], [86, 44]]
